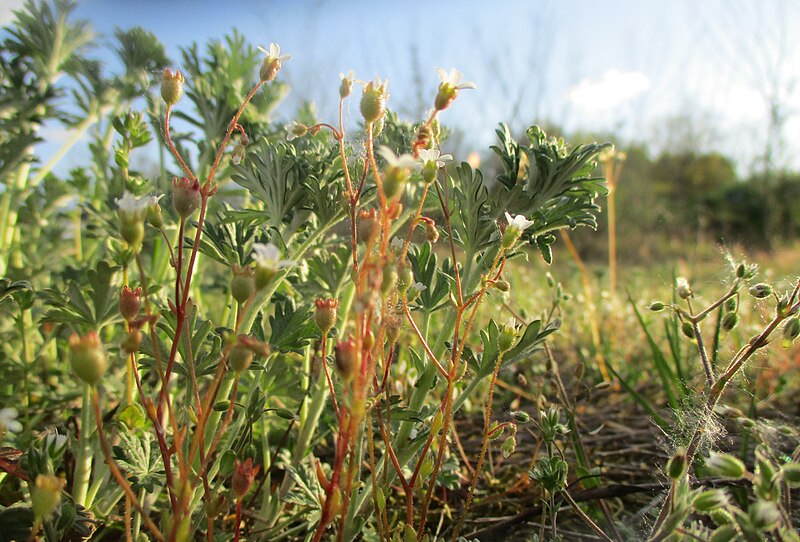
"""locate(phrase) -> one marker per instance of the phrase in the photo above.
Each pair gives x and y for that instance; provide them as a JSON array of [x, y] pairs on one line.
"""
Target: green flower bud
[[368, 225], [240, 357], [791, 329], [657, 306], [730, 320], [238, 154], [405, 278], [373, 101], [346, 87], [725, 533], [706, 501], [761, 290], [502, 285], [791, 473], [687, 329], [325, 315], [683, 289], [154, 216], [725, 466], [394, 181], [88, 357], [764, 515], [507, 336], [185, 196], [677, 465], [171, 86], [46, 495], [132, 342], [242, 284]]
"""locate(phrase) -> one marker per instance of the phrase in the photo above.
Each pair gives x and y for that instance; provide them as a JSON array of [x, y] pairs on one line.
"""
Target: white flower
[[518, 223], [130, 204], [404, 161], [453, 79], [269, 256], [433, 155], [8, 421], [396, 244], [274, 53], [54, 441], [418, 287]]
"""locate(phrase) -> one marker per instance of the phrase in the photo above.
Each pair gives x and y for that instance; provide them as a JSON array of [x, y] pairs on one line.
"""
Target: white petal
[[274, 50], [442, 74], [467, 84]]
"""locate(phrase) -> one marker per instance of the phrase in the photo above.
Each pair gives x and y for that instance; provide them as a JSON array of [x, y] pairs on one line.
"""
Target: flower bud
[[760, 290], [507, 336], [520, 416], [244, 474], [346, 358], [502, 285], [368, 225], [724, 533], [346, 87], [687, 329], [87, 357], [154, 216], [132, 342], [325, 315], [242, 284], [369, 340], [725, 466], [130, 302], [389, 279], [394, 181], [240, 357], [185, 196], [46, 495], [431, 233], [764, 515], [405, 278], [683, 289], [171, 86], [791, 473], [657, 306], [272, 62], [709, 500], [373, 101], [509, 446], [677, 465], [791, 329], [238, 154], [730, 320], [392, 329]]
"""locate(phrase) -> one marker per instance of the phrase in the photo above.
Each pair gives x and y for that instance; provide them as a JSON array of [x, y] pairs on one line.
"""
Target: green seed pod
[[171, 86], [761, 290], [242, 284], [133, 233], [240, 357], [507, 336], [46, 495], [741, 269], [725, 466], [791, 329], [687, 329], [764, 515], [346, 358], [730, 320], [657, 306], [503, 285], [725, 533], [677, 465], [431, 233], [132, 342], [394, 182], [730, 305], [154, 216], [389, 279]]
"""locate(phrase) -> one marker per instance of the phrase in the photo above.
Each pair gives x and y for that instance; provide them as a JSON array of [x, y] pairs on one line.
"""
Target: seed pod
[[657, 306], [687, 329], [130, 302], [132, 342], [730, 305], [507, 336], [392, 329], [502, 285], [46, 495], [87, 357], [791, 329], [764, 515], [683, 289], [171, 86], [185, 196], [325, 314], [243, 284], [244, 474], [395, 179], [373, 101], [240, 357], [389, 279], [368, 225], [431, 233], [405, 278], [154, 216], [709, 500]]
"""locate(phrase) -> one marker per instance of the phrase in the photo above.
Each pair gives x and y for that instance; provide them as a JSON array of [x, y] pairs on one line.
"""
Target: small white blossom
[[453, 79], [519, 222], [396, 244], [404, 161], [418, 287], [269, 256], [274, 53], [433, 155], [131, 205], [8, 421]]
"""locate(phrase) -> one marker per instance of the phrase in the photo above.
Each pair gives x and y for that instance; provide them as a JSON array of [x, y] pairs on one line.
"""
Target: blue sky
[[617, 65]]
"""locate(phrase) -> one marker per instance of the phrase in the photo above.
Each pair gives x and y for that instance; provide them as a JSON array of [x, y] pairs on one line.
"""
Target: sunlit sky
[[617, 66]]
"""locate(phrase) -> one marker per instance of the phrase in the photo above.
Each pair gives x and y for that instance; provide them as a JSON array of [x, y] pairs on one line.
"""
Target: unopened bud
[[709, 500], [761, 290], [373, 101], [132, 342], [502, 285], [88, 357], [764, 515], [368, 225], [346, 87], [687, 329], [46, 495], [130, 302], [154, 216], [185, 196], [240, 357], [346, 358], [791, 473], [325, 315], [171, 86], [238, 154], [677, 465], [657, 306], [405, 278], [683, 289], [242, 283], [507, 336], [730, 320], [725, 466], [244, 474], [431, 233]]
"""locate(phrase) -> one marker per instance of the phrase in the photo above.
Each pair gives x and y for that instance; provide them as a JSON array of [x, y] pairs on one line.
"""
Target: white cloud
[[7, 9], [608, 91]]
